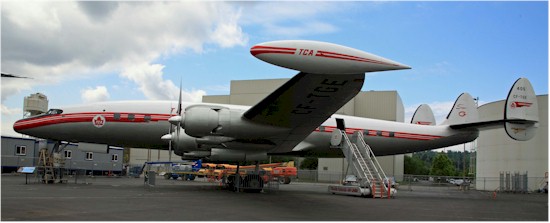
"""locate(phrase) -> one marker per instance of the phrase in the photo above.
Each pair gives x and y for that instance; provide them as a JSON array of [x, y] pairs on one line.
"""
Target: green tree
[[442, 166], [309, 163], [414, 165]]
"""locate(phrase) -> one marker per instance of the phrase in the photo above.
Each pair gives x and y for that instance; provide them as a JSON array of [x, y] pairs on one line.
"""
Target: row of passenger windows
[[22, 151], [131, 117]]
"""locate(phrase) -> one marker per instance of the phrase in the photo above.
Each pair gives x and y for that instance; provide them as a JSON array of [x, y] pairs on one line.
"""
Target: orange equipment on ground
[[283, 172]]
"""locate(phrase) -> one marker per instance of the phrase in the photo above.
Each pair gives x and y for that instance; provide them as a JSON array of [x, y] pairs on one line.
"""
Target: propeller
[[176, 121]]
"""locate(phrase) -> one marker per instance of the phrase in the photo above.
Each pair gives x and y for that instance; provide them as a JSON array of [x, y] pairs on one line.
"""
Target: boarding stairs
[[365, 165]]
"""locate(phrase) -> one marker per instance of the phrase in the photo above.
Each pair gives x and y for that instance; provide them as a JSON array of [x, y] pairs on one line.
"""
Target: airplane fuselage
[[141, 124]]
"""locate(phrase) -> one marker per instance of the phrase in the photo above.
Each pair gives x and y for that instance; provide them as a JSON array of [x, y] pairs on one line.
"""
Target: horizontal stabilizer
[[521, 111], [423, 115], [464, 111]]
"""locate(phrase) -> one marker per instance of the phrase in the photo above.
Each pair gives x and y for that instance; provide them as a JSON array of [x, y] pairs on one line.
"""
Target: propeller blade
[[179, 102], [178, 118]]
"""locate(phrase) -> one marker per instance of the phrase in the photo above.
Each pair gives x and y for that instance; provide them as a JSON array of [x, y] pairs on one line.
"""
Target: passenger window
[[147, 118], [131, 117], [116, 116]]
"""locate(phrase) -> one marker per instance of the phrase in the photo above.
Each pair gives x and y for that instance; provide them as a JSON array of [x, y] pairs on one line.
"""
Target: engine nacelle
[[208, 120], [183, 143], [236, 155]]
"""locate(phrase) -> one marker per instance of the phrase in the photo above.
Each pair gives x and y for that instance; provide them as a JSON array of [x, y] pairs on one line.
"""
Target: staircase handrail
[[357, 156], [370, 153]]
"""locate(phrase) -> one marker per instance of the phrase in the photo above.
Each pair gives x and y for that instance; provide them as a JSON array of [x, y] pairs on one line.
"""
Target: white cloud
[[9, 116], [292, 19], [11, 111], [98, 94], [54, 41], [149, 77]]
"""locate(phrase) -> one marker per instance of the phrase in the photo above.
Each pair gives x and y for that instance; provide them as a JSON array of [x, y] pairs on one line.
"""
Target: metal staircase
[[365, 166]]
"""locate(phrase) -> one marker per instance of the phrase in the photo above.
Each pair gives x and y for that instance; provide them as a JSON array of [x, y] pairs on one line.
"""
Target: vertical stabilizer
[[521, 111], [464, 111], [423, 115]]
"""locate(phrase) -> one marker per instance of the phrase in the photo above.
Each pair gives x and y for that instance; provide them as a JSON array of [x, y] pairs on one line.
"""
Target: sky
[[81, 52]]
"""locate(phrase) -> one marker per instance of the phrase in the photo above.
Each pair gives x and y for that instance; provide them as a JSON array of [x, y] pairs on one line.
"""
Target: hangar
[[499, 156]]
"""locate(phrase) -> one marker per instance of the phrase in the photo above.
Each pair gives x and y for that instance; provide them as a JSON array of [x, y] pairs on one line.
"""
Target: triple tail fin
[[423, 115], [521, 113], [464, 111]]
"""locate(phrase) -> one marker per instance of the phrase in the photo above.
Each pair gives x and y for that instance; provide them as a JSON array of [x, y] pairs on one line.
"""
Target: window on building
[[89, 156], [68, 154], [20, 150], [325, 168], [114, 157]]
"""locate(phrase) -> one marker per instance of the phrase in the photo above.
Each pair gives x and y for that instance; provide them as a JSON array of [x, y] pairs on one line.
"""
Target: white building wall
[[498, 153]]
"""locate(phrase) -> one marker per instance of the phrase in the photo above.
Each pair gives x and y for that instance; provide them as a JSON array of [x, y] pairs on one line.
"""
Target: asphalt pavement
[[129, 199]]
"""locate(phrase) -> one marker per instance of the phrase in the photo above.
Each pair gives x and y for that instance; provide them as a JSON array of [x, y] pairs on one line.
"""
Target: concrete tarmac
[[128, 199]]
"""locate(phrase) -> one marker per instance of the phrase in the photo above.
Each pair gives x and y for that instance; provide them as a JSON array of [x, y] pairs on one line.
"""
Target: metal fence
[[507, 182]]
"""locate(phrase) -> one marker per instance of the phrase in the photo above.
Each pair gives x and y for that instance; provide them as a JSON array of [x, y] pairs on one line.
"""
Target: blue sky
[[140, 50]]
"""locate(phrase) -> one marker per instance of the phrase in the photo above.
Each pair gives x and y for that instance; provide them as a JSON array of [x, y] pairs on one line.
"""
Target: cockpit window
[[54, 111]]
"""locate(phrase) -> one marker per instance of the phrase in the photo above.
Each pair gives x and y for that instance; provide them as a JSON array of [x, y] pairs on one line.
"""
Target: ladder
[[365, 165], [45, 165]]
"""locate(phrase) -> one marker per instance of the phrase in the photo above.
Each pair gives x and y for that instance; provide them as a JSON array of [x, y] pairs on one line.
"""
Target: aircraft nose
[[17, 126]]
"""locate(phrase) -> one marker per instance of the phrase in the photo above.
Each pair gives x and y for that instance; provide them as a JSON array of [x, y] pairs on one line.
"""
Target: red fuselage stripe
[[326, 54], [269, 49], [400, 135], [86, 117]]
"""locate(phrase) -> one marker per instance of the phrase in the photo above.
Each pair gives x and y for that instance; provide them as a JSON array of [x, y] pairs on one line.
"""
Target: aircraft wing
[[303, 103]]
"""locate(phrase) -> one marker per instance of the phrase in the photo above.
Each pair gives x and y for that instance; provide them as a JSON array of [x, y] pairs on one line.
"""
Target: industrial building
[[499, 156], [23, 152], [386, 105]]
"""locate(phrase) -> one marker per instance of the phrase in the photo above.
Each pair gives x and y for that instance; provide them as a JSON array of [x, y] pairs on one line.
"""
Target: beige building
[[386, 105], [497, 153]]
